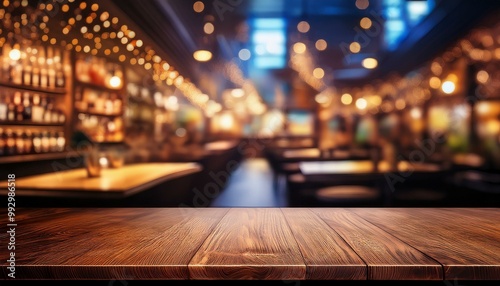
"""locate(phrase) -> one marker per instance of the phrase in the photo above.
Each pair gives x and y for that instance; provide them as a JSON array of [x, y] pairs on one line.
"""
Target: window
[[269, 43]]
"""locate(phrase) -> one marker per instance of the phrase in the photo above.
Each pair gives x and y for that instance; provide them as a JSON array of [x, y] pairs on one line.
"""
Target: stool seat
[[291, 167], [351, 193], [297, 178]]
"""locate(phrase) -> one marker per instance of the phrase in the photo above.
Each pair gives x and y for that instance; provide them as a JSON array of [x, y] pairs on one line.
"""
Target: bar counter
[[112, 183], [260, 243]]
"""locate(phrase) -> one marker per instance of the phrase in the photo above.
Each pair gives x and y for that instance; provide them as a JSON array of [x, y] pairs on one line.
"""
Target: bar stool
[[349, 196]]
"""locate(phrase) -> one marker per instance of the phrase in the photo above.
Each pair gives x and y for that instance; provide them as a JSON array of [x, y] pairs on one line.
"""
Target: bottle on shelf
[[37, 110], [61, 142], [3, 107], [28, 142], [19, 106], [37, 143], [11, 110], [3, 142], [20, 142], [27, 107], [47, 115], [10, 142], [45, 142], [52, 142]]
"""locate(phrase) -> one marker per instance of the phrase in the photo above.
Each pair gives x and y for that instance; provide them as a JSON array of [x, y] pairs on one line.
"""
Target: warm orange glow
[[303, 27], [365, 23], [321, 45], [355, 47], [202, 55], [299, 48], [370, 63]]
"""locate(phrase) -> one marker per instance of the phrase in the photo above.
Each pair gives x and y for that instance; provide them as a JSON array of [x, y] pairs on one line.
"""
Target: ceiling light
[[202, 55], [303, 27], [370, 63], [365, 23], [448, 87], [244, 54], [299, 48], [321, 45], [361, 104], [346, 99], [355, 47]]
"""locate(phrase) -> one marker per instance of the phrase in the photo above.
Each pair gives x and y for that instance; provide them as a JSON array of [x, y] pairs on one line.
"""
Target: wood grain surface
[[249, 244], [465, 241], [387, 257], [326, 254], [273, 244], [121, 182], [111, 244]]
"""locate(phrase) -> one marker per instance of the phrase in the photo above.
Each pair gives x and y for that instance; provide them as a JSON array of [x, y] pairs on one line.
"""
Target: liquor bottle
[[27, 73], [37, 110], [37, 143], [19, 106], [11, 111], [19, 142], [3, 107], [45, 142], [28, 142], [52, 142], [61, 142], [11, 142], [28, 109], [59, 70], [3, 142], [47, 114]]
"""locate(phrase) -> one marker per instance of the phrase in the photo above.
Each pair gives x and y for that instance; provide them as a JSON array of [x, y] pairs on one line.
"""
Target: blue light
[[268, 37], [269, 24], [417, 10], [269, 42], [275, 62]]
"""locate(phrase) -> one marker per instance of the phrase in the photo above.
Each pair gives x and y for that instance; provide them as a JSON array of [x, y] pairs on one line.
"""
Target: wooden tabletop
[[113, 183], [362, 167], [273, 244]]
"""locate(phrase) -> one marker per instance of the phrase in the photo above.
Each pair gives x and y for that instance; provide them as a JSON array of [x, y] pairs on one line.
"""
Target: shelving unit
[[98, 109], [38, 127]]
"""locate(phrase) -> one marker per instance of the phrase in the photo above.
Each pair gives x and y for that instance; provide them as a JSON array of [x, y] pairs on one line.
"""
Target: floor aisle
[[251, 185]]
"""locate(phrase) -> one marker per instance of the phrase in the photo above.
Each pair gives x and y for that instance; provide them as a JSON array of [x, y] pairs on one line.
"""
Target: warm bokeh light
[[115, 82], [361, 104], [482, 76], [15, 54], [321, 45], [237, 93], [448, 87], [370, 63], [209, 28], [318, 73], [355, 47], [198, 6], [416, 113], [434, 82], [365, 23], [202, 55], [346, 99], [303, 27], [362, 4], [299, 48]]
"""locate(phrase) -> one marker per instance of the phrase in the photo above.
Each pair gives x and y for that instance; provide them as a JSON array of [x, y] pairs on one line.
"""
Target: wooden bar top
[[120, 182], [267, 244]]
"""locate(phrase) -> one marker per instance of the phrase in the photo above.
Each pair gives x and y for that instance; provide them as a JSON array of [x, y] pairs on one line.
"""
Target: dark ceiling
[[178, 30]]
